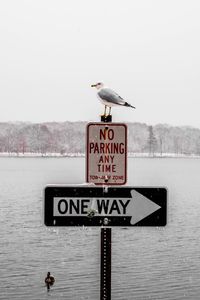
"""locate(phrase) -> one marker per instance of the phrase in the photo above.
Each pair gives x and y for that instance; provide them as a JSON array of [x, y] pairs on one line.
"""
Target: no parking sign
[[106, 155]]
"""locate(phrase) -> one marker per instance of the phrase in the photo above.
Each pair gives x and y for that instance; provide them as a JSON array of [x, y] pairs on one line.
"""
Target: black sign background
[[157, 195]]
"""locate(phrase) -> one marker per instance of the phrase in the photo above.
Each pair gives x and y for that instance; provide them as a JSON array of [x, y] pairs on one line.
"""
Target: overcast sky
[[147, 51]]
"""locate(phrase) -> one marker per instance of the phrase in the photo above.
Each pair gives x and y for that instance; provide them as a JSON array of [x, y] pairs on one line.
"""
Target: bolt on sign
[[106, 155]]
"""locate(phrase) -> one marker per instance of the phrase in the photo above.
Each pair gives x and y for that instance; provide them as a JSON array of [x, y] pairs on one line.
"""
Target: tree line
[[69, 138]]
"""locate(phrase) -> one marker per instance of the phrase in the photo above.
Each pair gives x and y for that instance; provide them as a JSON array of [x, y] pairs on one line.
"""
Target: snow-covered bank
[[130, 154], [30, 154], [163, 155]]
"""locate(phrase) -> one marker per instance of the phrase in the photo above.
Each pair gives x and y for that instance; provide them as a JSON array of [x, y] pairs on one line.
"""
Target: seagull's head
[[98, 85]]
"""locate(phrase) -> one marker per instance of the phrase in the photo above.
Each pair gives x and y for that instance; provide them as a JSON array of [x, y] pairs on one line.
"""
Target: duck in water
[[49, 280]]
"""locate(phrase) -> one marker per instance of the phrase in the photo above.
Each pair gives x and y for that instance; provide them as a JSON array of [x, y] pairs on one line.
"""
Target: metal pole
[[106, 233], [105, 287]]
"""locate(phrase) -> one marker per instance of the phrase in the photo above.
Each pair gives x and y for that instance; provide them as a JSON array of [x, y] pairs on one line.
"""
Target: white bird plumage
[[109, 97]]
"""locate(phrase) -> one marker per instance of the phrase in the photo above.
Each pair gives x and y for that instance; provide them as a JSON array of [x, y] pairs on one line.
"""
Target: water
[[147, 263]]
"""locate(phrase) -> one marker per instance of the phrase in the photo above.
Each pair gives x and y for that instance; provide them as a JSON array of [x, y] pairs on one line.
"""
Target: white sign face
[[106, 153], [137, 210]]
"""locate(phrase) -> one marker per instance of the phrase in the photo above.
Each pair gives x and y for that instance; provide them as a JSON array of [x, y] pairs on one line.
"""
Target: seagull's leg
[[105, 110], [109, 110]]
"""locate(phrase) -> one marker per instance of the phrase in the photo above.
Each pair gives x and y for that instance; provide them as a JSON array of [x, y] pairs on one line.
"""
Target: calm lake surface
[[147, 263]]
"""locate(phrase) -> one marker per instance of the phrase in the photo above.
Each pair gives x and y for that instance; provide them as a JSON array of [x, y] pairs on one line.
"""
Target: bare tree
[[152, 142]]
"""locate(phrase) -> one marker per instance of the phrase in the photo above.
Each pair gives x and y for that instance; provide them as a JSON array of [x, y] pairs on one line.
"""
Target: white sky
[[147, 51]]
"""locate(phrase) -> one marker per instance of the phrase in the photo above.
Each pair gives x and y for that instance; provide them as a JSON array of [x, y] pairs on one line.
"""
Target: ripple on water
[[147, 263]]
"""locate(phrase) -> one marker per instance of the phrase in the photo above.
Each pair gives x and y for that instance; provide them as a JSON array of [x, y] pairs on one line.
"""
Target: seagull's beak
[[93, 85]]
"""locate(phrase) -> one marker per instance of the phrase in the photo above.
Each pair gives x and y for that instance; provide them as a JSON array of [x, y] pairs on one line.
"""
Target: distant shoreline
[[75, 155], [68, 139]]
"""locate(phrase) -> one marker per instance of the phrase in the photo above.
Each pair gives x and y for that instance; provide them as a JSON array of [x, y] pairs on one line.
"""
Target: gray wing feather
[[110, 96]]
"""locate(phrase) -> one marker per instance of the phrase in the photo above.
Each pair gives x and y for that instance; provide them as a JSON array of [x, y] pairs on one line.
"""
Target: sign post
[[108, 203], [105, 284]]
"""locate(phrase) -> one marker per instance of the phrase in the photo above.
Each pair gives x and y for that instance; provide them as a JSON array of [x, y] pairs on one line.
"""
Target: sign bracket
[[106, 119]]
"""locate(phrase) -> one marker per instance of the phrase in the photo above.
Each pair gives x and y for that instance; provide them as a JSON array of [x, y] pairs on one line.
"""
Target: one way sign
[[111, 206]]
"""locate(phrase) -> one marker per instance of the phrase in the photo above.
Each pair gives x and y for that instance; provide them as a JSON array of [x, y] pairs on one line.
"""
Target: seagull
[[109, 97]]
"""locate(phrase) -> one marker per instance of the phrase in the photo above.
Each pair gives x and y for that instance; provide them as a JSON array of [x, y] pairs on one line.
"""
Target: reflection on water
[[147, 263]]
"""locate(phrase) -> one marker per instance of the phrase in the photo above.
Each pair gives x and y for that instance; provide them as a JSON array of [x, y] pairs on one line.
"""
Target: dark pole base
[[106, 119]]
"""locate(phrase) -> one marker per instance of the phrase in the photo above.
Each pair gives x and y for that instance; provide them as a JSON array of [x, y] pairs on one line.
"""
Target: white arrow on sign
[[142, 207], [137, 207]]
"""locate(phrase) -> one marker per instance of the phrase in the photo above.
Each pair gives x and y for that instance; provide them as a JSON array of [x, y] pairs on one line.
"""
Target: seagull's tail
[[129, 105]]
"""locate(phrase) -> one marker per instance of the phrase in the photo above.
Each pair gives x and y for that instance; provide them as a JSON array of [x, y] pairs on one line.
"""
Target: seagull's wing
[[110, 96]]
